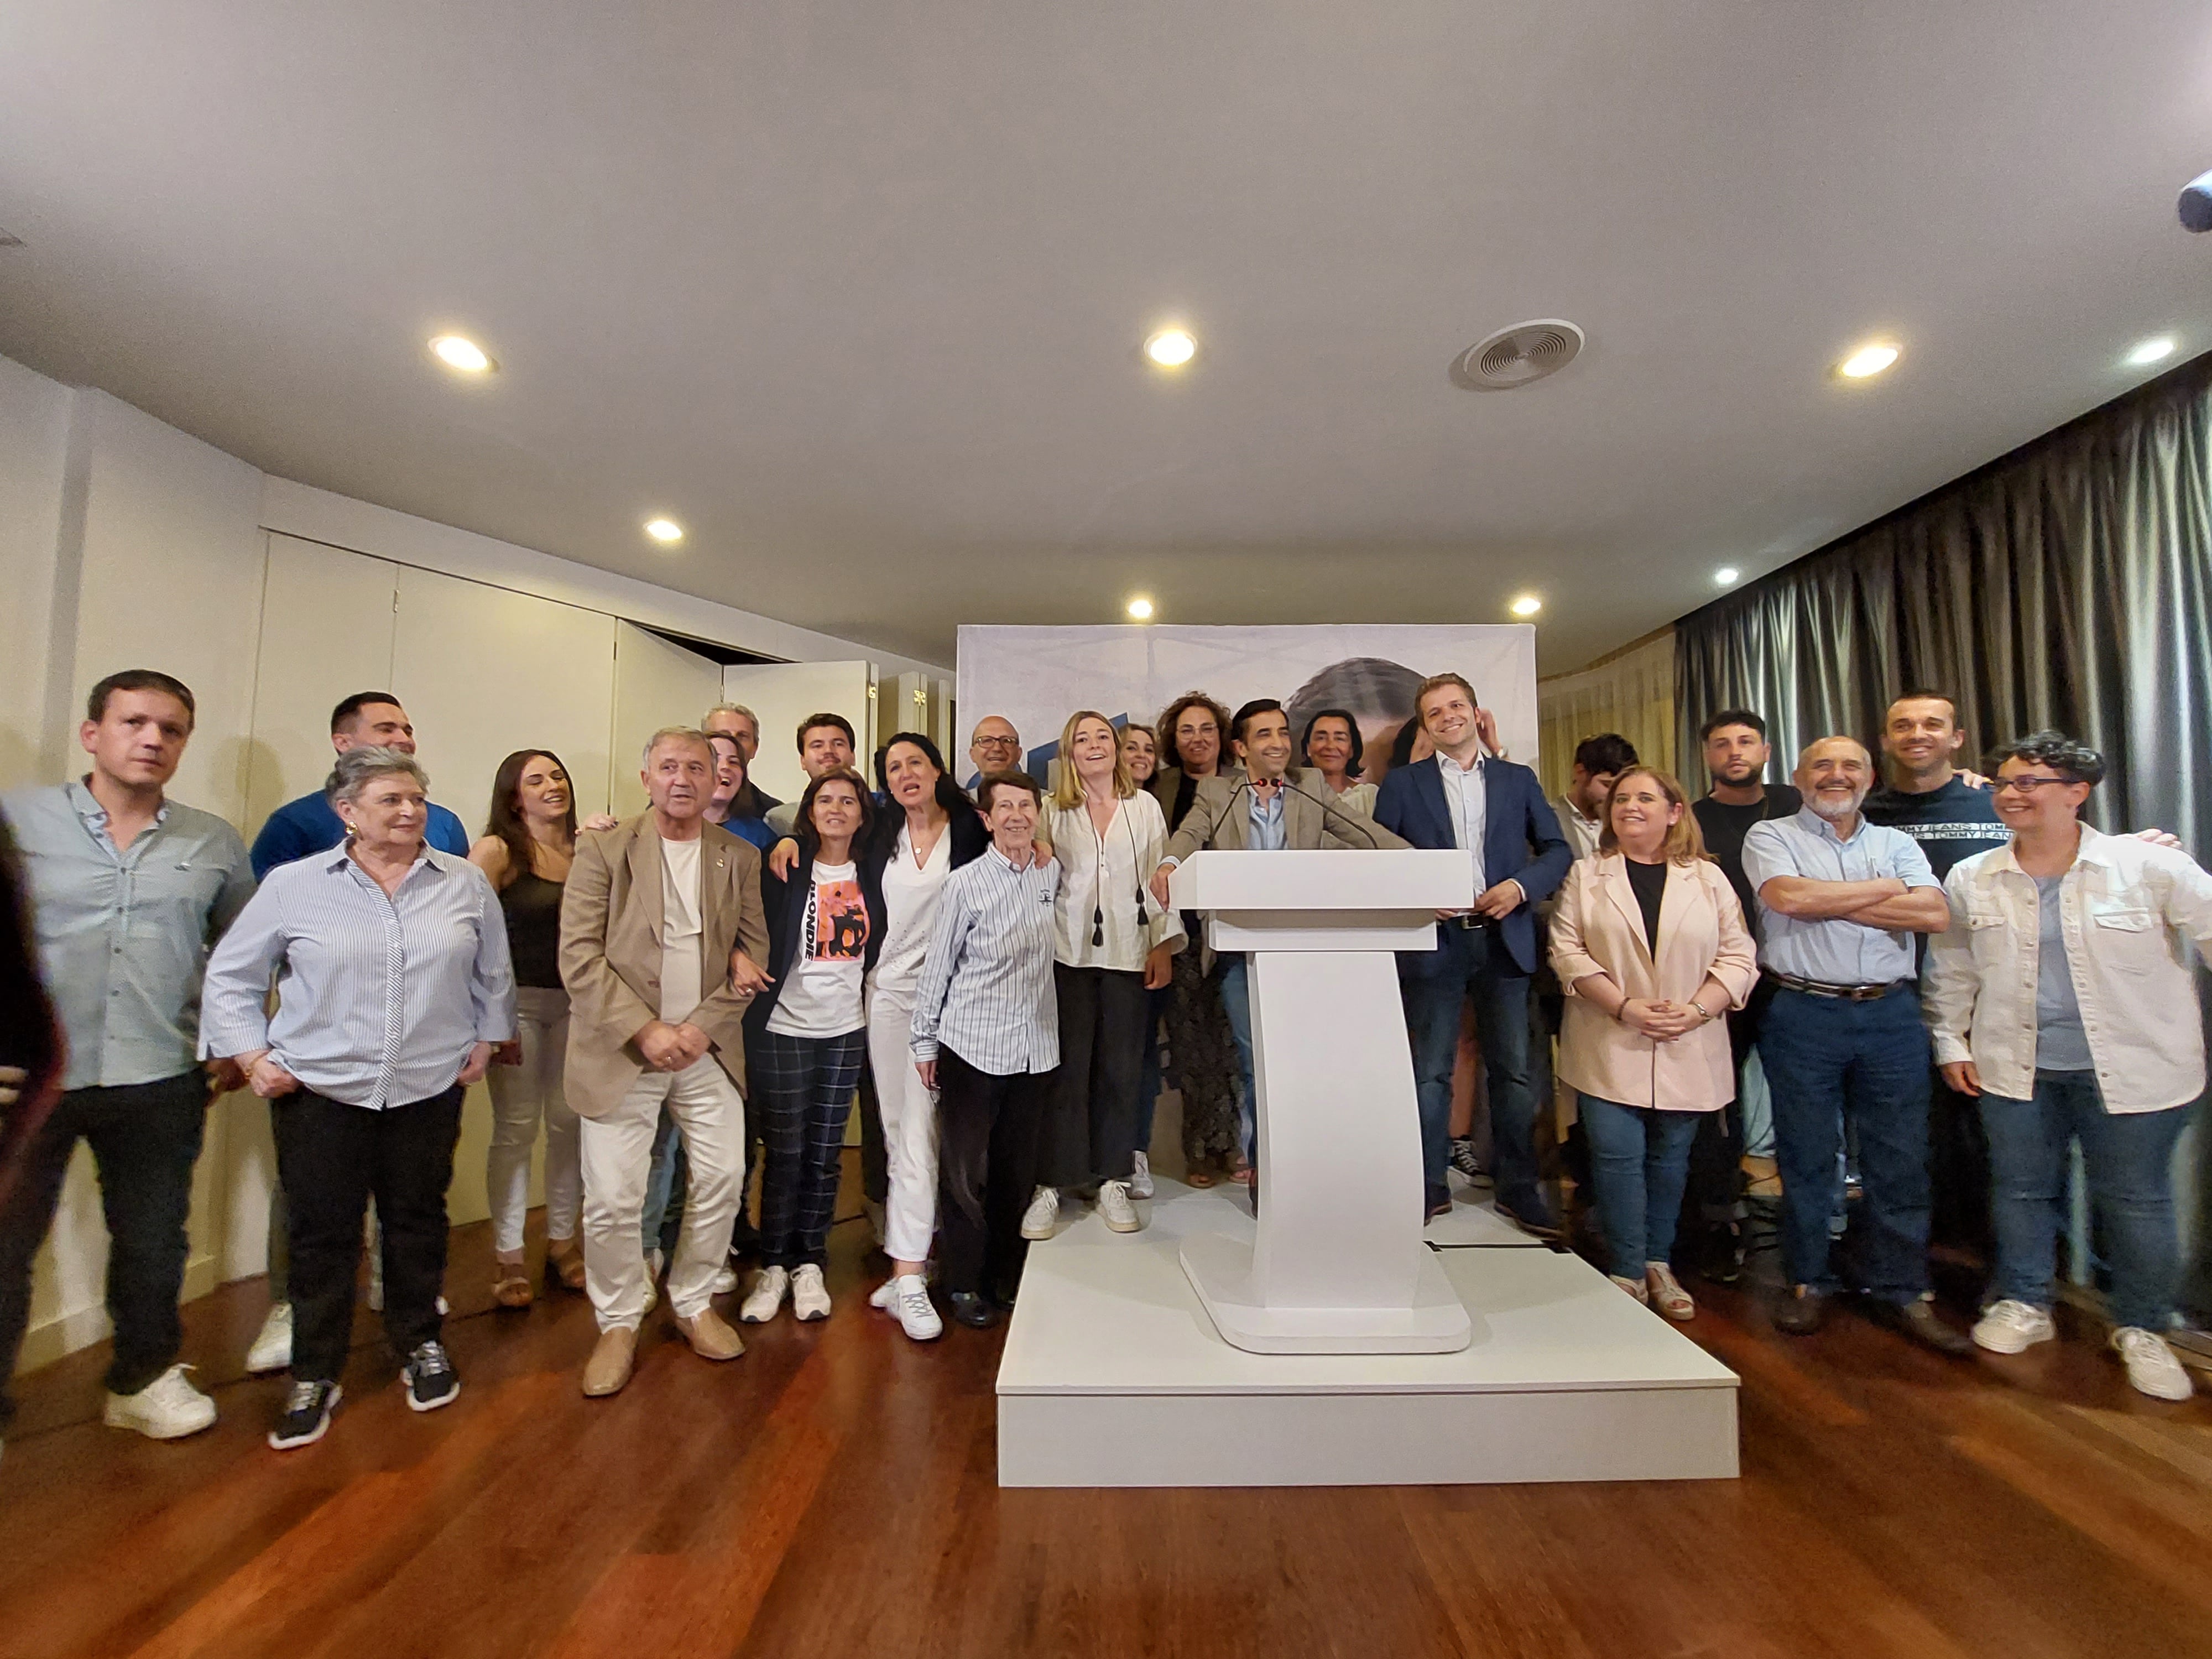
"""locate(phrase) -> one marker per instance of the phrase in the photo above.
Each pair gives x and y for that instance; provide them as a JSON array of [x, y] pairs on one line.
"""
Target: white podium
[[1338, 1265]]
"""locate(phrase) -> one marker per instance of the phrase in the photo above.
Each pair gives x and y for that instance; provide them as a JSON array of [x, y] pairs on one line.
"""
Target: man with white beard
[[1841, 900]]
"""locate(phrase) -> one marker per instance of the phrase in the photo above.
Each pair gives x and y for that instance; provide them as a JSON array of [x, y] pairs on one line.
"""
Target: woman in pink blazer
[[1650, 943]]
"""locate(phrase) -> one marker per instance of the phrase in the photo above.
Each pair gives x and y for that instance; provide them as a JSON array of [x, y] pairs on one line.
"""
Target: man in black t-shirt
[[1736, 754]]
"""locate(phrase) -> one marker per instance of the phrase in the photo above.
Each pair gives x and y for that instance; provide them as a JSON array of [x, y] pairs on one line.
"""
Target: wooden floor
[[833, 1493]]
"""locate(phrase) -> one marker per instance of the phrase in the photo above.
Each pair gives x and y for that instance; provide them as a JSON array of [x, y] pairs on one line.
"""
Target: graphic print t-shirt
[[820, 994]]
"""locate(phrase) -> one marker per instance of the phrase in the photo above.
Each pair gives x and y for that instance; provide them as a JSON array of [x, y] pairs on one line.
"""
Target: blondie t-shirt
[[821, 995]]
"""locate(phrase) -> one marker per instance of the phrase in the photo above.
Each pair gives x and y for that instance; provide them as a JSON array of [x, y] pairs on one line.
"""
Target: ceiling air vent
[[1517, 357]]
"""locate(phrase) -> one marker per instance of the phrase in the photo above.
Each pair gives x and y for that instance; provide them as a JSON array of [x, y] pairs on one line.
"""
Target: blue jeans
[[2128, 1157], [1825, 1057], [1474, 962], [1237, 1003], [664, 1186], [1639, 1163]]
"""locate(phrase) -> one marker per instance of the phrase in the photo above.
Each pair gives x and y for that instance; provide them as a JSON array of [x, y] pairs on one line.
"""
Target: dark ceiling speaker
[[1517, 357], [2196, 204]]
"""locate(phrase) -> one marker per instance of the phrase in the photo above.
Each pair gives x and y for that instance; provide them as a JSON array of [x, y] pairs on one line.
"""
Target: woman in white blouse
[[931, 830], [2062, 996], [1113, 943]]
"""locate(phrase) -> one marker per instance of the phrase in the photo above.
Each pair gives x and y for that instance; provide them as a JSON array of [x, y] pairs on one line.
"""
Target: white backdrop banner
[[1038, 677]]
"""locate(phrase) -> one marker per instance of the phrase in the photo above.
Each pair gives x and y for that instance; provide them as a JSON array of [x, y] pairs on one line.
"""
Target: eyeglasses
[[2027, 782], [997, 742]]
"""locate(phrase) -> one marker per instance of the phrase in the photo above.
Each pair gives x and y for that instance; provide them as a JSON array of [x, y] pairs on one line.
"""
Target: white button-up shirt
[[1467, 805], [2129, 913], [1102, 885]]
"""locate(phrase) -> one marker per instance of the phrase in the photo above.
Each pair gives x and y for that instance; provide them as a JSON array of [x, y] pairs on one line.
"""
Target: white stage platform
[[1113, 1376]]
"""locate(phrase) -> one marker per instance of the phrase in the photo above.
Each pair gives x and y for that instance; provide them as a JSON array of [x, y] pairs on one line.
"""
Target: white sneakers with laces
[[1043, 1211], [769, 1291], [2012, 1327], [906, 1298], [1113, 1207], [272, 1349], [167, 1408], [2152, 1366], [1141, 1182], [810, 1297]]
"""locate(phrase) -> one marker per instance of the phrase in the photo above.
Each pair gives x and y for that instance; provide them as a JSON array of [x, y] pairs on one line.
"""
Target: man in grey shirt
[[1841, 901], [129, 890]]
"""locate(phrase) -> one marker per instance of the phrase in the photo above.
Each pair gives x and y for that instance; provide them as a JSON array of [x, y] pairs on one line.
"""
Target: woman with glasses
[[1112, 945], [2062, 996]]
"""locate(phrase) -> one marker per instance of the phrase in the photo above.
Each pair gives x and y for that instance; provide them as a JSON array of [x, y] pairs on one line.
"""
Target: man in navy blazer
[[1463, 798]]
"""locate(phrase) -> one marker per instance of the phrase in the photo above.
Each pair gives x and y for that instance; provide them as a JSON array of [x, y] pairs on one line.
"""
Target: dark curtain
[[2067, 585]]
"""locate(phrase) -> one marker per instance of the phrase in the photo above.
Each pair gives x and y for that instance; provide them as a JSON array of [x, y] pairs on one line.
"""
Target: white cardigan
[[2129, 912]]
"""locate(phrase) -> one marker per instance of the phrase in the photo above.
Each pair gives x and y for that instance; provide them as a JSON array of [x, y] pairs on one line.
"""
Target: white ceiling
[[855, 290]]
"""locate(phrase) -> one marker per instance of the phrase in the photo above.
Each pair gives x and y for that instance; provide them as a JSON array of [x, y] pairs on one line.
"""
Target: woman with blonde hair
[[1112, 945], [1650, 947]]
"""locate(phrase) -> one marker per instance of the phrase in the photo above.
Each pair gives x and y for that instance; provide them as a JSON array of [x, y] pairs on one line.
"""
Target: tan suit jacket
[[1599, 929], [1311, 820], [610, 950]]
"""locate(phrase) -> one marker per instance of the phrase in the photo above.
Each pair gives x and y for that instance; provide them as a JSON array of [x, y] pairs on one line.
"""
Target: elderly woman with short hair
[[391, 966]]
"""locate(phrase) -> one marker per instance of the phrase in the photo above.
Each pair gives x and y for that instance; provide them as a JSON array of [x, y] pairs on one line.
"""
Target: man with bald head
[[994, 746], [1841, 900]]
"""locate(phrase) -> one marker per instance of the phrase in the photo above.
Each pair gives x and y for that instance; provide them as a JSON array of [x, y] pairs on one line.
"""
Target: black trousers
[[332, 1157], [1092, 1122], [1714, 1195], [988, 1128], [145, 1138]]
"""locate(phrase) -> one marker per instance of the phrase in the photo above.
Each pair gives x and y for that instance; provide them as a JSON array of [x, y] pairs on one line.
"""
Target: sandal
[[512, 1288], [564, 1261], [1199, 1175]]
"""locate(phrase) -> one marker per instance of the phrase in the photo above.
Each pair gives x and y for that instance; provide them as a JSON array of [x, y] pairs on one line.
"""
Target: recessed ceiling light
[[458, 351], [1726, 576], [2149, 351], [667, 532], [1140, 609], [1867, 360], [1171, 348], [1526, 605]]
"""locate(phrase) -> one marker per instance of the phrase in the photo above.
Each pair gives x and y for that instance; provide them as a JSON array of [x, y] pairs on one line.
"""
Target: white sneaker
[[2152, 1367], [810, 1297], [1113, 1207], [1043, 1211], [167, 1408], [2010, 1326], [725, 1281], [906, 1298], [767, 1296], [272, 1349], [1140, 1183]]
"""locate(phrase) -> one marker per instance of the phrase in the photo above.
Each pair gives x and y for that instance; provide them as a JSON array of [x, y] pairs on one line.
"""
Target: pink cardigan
[[1598, 928]]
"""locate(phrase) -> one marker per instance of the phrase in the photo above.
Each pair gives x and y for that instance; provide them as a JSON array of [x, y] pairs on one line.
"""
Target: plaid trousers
[[803, 1088]]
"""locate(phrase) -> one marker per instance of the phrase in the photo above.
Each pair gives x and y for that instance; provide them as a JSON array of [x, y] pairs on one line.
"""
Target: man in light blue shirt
[[310, 824], [1840, 900], [129, 890]]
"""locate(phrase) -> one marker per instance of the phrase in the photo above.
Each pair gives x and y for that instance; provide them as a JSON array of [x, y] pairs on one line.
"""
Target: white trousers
[[618, 1154], [909, 1113], [521, 1097]]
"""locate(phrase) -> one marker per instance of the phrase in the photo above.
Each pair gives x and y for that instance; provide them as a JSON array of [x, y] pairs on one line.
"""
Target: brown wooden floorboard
[[834, 1492]]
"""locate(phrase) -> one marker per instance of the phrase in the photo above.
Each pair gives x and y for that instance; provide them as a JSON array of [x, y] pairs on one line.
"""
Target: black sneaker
[[1720, 1252], [307, 1416], [972, 1310], [1464, 1160], [431, 1380]]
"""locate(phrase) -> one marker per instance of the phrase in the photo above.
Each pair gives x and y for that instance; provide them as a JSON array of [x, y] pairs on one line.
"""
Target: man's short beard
[[1830, 811]]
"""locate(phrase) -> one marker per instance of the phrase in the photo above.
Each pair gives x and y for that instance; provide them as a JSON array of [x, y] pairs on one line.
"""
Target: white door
[[657, 683], [785, 693]]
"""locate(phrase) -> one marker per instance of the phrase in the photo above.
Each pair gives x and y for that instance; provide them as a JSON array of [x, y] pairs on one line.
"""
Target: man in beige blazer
[[1266, 805], [661, 930]]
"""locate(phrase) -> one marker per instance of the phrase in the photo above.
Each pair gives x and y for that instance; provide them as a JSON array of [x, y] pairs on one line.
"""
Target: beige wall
[[124, 542]]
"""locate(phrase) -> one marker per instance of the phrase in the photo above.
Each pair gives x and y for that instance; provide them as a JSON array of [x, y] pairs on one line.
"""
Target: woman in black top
[[528, 843], [30, 1037]]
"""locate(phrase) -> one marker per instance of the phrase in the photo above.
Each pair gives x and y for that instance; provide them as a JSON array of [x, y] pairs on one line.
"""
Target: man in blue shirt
[[1495, 811], [310, 824], [1841, 901], [129, 889]]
